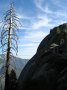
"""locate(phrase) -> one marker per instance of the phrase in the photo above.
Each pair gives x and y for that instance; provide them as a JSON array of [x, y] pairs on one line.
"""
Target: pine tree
[[9, 40]]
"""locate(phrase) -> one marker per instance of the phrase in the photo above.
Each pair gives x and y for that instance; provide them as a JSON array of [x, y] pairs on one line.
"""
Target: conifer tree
[[9, 40]]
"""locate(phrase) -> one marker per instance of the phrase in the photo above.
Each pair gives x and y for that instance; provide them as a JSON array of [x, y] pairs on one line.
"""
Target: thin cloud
[[35, 22], [46, 10], [38, 4], [28, 45], [42, 22], [60, 4], [21, 16], [27, 53], [32, 39], [35, 35]]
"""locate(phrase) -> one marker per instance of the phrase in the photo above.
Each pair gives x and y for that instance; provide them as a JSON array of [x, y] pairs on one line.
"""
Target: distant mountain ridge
[[17, 64]]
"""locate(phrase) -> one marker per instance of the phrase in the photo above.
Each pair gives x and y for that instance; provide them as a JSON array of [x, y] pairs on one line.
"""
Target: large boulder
[[47, 69]]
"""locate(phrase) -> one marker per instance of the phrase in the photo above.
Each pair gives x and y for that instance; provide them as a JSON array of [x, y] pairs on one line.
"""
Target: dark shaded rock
[[47, 70]]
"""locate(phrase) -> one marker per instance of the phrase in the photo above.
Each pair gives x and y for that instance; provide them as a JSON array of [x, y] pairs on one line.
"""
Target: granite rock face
[[47, 69]]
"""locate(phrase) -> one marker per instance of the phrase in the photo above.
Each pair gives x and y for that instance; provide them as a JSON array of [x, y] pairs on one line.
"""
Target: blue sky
[[37, 17]]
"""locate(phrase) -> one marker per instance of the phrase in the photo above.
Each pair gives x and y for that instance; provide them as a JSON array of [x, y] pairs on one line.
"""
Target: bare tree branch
[[9, 39]]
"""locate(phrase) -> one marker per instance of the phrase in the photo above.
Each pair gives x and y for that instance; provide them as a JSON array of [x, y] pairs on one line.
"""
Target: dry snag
[[9, 39]]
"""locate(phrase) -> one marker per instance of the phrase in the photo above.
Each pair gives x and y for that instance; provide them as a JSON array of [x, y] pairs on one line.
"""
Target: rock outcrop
[[47, 70]]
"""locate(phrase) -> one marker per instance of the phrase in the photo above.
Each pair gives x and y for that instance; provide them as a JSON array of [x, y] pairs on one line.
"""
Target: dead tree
[[9, 40]]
